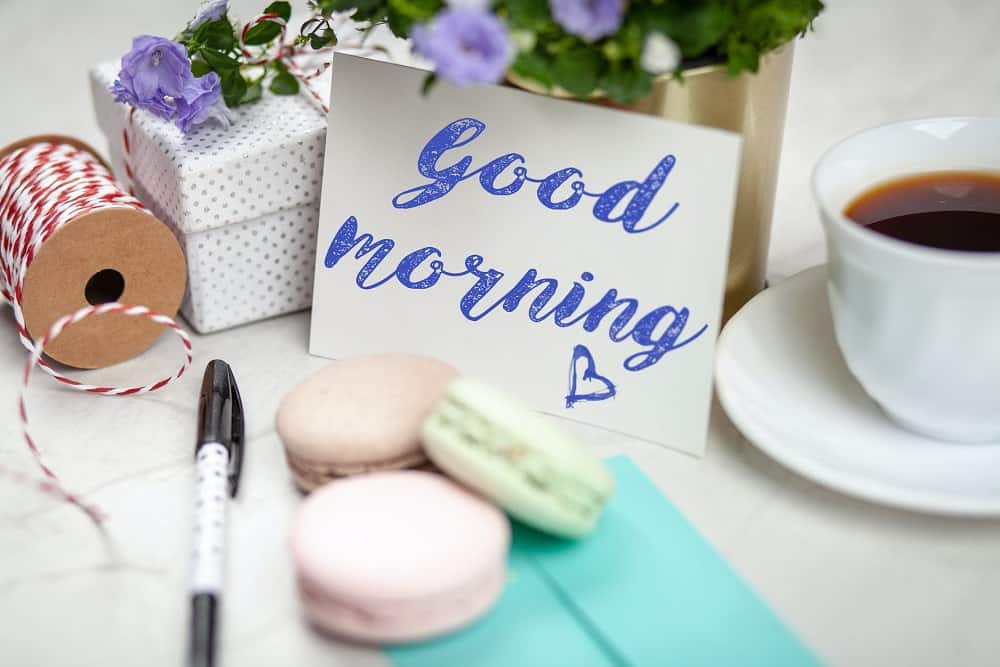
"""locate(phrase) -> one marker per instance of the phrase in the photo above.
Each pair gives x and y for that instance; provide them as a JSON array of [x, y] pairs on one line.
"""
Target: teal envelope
[[644, 590]]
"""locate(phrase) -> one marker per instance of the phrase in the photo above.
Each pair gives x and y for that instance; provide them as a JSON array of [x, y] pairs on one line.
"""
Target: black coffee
[[954, 210]]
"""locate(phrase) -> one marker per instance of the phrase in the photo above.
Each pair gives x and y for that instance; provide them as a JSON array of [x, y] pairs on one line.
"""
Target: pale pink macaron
[[398, 556], [360, 415]]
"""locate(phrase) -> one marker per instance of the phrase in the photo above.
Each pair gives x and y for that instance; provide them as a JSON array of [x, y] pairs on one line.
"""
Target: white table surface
[[862, 585]]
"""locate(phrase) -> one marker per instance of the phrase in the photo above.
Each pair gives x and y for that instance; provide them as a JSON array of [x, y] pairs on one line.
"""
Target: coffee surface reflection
[[952, 210]]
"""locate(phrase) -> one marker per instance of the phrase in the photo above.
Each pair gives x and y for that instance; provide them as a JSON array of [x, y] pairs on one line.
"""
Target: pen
[[219, 458]]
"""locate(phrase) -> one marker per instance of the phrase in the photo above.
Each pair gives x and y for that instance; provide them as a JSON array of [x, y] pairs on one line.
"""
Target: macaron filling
[[316, 473], [535, 469]]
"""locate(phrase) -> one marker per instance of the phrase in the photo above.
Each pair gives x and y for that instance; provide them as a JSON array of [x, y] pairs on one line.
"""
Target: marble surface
[[863, 585]]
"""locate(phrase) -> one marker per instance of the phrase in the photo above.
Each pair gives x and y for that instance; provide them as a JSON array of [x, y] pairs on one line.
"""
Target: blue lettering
[[643, 194], [667, 341], [485, 280], [488, 175], [453, 135], [552, 183], [657, 332], [404, 272], [512, 299], [569, 304], [346, 239], [593, 316], [612, 205]]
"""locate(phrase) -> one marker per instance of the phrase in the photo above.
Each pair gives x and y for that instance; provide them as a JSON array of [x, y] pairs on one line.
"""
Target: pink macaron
[[398, 556], [360, 415]]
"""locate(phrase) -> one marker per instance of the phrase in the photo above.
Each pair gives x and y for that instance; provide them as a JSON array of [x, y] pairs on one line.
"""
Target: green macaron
[[537, 472]]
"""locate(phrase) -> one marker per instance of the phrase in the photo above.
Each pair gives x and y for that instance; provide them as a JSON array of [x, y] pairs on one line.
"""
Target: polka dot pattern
[[249, 270], [243, 202]]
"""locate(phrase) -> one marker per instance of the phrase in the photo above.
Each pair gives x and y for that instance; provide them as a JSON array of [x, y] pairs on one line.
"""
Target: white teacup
[[919, 327]]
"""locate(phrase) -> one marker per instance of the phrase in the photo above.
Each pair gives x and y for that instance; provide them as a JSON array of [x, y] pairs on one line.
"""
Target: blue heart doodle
[[590, 374]]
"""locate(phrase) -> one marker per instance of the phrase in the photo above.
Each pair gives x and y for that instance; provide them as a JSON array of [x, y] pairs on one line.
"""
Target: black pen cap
[[215, 407], [220, 416]]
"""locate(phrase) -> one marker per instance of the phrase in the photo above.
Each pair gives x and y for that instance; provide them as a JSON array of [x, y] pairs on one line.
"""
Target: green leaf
[[529, 14], [630, 38], [533, 66], [253, 92], [262, 33], [373, 11], [418, 10], [217, 35], [627, 83], [367, 7], [184, 37], [219, 61], [578, 70], [234, 87], [282, 9], [199, 33], [327, 7], [284, 83], [398, 24], [402, 14], [612, 50], [428, 83], [741, 57], [200, 67], [763, 25], [694, 26], [323, 39]]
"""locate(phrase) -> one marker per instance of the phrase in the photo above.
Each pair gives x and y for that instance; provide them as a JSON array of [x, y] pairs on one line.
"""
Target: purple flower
[[156, 76], [210, 10], [153, 71], [158, 105], [589, 19], [201, 101], [466, 44]]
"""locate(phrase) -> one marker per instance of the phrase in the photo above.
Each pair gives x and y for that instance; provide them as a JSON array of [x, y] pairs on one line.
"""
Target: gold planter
[[752, 105]]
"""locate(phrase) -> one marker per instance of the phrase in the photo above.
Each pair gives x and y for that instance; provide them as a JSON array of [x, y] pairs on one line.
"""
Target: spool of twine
[[75, 249]]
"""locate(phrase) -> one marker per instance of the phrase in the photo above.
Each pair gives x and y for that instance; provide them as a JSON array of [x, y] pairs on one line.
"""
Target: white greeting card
[[572, 254]]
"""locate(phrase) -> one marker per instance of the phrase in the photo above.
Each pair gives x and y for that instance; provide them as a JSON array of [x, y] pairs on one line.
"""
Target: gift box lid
[[269, 160]]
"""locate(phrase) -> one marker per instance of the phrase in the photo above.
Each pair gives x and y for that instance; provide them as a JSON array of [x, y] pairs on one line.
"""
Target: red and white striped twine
[[44, 186], [127, 148], [286, 53]]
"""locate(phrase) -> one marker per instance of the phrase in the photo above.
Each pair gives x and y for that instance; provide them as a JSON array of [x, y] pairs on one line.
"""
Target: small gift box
[[243, 201]]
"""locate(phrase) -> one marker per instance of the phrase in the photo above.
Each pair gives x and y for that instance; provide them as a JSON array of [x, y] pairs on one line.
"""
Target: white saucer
[[784, 384]]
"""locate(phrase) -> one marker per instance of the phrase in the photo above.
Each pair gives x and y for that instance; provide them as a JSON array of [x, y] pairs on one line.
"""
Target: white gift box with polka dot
[[243, 202]]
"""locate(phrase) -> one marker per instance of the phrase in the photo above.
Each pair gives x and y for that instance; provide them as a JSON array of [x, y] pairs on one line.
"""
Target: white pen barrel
[[211, 498]]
